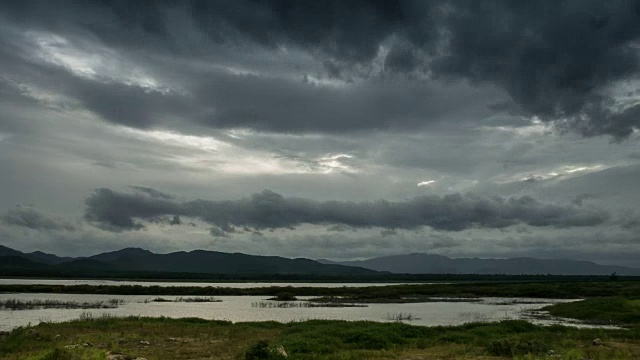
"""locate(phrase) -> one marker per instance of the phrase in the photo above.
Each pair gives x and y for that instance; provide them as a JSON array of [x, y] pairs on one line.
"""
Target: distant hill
[[5, 251], [19, 262], [143, 262], [120, 254], [200, 261], [48, 258], [419, 263], [37, 256], [197, 261]]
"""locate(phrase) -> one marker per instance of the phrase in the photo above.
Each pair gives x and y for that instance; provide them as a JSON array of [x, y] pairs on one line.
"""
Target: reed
[[400, 316], [185, 299], [294, 304], [15, 304]]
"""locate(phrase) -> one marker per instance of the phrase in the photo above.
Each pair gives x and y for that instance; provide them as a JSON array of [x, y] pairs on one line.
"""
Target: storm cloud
[[486, 127], [269, 210], [29, 217], [564, 62]]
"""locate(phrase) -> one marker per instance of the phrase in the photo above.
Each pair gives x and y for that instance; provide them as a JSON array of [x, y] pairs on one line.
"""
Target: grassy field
[[616, 310], [163, 338]]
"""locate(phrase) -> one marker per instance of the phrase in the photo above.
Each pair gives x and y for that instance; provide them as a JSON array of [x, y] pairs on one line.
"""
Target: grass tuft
[[57, 354], [515, 346]]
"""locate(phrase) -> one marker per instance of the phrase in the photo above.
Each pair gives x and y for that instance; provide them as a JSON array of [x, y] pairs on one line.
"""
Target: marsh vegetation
[[163, 338], [185, 299], [380, 294], [400, 316], [298, 304], [15, 304]]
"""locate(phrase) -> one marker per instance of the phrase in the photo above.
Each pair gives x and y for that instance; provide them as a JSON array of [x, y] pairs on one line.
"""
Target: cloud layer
[[570, 63], [29, 217], [486, 126], [269, 210]]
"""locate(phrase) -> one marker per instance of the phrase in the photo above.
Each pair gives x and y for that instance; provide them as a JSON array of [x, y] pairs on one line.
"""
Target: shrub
[[257, 351], [57, 354], [262, 351], [284, 296], [516, 346]]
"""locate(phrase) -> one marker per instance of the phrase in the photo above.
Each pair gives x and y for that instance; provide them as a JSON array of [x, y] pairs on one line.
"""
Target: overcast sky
[[322, 129]]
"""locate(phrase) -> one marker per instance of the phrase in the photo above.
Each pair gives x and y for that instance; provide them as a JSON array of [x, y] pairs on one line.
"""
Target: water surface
[[240, 309], [237, 285]]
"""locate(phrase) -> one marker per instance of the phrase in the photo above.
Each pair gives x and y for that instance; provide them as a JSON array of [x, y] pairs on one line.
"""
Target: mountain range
[[420, 263], [197, 261], [213, 262]]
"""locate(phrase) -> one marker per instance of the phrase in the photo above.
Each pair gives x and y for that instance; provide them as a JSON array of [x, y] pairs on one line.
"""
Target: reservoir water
[[239, 285], [243, 308]]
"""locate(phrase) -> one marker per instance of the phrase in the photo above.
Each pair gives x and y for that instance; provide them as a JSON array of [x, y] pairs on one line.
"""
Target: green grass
[[615, 310], [316, 339]]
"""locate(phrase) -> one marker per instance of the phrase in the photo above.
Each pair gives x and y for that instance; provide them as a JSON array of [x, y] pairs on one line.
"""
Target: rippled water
[[240, 309], [239, 285]]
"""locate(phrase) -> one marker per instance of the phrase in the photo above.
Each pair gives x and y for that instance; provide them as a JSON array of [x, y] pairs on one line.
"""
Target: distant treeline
[[271, 277], [560, 290]]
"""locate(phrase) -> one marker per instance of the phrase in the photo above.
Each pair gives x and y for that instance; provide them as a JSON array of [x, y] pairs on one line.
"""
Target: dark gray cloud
[[556, 59], [116, 210], [269, 210], [217, 98], [349, 31], [29, 217], [155, 194], [285, 105], [553, 57], [129, 105], [402, 58], [579, 200], [217, 232]]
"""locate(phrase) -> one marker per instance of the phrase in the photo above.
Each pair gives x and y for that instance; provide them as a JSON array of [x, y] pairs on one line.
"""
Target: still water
[[240, 309], [238, 285]]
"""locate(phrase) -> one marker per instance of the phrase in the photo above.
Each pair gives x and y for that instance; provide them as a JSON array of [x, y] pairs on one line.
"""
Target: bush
[[516, 346], [284, 296], [262, 351], [57, 354], [257, 351], [367, 340]]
